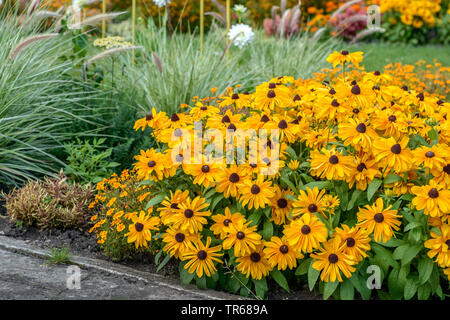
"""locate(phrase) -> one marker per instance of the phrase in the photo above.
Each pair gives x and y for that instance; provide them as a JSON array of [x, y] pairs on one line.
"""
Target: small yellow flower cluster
[[414, 12]]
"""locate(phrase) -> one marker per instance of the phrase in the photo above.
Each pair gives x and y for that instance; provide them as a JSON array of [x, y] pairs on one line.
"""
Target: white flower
[[239, 8], [161, 3], [241, 34]]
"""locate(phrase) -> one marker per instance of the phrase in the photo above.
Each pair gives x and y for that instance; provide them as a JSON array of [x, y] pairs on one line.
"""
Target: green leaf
[[372, 188], [254, 218], [319, 184], [303, 267], [410, 289], [424, 292], [425, 268], [280, 279], [385, 255], [267, 230], [260, 287], [347, 291], [288, 182], [392, 178], [412, 225], [353, 200], [396, 289], [313, 275], [155, 200], [399, 252], [410, 253], [434, 136], [200, 282], [329, 288], [163, 263], [185, 276]]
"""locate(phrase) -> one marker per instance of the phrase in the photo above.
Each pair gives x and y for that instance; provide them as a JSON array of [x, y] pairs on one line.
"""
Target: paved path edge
[[20, 246]]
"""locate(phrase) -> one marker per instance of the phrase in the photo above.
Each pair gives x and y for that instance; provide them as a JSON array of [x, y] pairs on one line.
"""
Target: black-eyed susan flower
[[202, 258], [230, 179], [270, 95], [344, 57], [364, 169], [242, 238], [330, 203], [256, 193], [139, 231], [254, 263], [205, 173], [433, 199], [355, 240], [153, 119], [306, 233], [357, 134], [392, 154], [330, 164], [171, 204], [177, 241], [222, 221], [332, 261], [309, 201], [191, 215], [281, 205], [379, 221], [280, 254], [439, 246], [433, 158], [150, 165]]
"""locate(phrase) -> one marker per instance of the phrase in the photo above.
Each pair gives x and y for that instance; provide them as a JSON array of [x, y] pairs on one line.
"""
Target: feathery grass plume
[[348, 21], [366, 33], [343, 8], [28, 42], [111, 52], [316, 36], [217, 16], [91, 21], [157, 62]]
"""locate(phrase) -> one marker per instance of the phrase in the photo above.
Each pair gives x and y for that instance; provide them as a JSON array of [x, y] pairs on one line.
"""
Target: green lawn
[[377, 55]]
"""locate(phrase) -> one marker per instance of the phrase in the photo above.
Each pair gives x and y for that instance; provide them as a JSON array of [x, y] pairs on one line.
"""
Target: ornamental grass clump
[[49, 203], [349, 192]]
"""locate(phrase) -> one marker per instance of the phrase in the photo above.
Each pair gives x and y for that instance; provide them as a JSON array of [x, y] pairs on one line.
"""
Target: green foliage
[[59, 256], [88, 162]]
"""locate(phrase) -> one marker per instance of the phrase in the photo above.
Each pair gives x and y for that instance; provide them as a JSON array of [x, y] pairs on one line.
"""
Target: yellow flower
[[242, 237], [202, 258], [281, 254], [190, 216], [139, 231], [254, 263], [439, 246], [433, 199], [256, 193], [345, 57], [306, 233], [223, 221]]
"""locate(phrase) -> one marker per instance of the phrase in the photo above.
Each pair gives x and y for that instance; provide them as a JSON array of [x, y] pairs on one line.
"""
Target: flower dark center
[[433, 193], [376, 88], [174, 206], [149, 117], [361, 167], [255, 257], [305, 229], [179, 237], [174, 117], [234, 177], [396, 148], [272, 85], [240, 235], [253, 165], [264, 118], [232, 127], [271, 94], [188, 213], [235, 96], [282, 203], [282, 124], [447, 169], [267, 161], [361, 128], [297, 97], [179, 158], [333, 159], [356, 110], [284, 249], [139, 226], [205, 169], [226, 222], [429, 154], [202, 255], [378, 217], [392, 118], [356, 89], [420, 96], [377, 73], [332, 91], [405, 88], [225, 119], [312, 208], [439, 102], [448, 243], [204, 108], [333, 258], [334, 103], [255, 189], [151, 164], [350, 242], [344, 52]]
